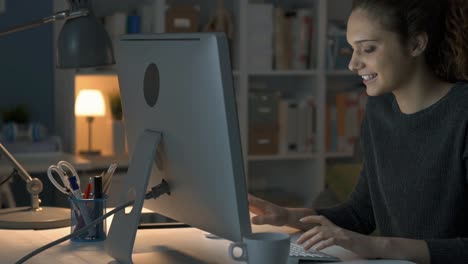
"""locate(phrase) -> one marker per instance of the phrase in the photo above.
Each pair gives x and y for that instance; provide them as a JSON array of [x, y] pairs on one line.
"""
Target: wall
[[26, 64], [339, 9]]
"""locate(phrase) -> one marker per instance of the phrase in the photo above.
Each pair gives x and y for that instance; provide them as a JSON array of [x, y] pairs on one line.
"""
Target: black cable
[[14, 172], [158, 190]]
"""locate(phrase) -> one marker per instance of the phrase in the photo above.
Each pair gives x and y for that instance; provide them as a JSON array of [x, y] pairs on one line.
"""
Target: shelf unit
[[301, 174]]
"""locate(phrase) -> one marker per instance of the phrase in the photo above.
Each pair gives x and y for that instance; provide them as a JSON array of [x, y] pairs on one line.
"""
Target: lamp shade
[[90, 103], [83, 42]]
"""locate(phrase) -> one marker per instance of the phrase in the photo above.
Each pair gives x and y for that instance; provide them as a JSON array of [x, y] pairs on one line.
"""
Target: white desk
[[168, 246]]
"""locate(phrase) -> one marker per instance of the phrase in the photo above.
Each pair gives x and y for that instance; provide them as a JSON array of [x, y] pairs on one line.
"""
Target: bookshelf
[[289, 178]]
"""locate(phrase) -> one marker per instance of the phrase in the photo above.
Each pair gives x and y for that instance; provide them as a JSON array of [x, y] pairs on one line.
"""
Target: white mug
[[262, 248]]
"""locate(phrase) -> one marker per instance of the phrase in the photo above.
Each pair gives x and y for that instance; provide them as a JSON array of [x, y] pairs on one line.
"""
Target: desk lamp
[[89, 103], [83, 42]]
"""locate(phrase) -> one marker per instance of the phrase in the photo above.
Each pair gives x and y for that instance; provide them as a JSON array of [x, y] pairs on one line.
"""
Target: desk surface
[[166, 245]]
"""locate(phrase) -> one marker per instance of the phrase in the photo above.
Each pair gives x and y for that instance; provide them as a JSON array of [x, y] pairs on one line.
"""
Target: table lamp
[[82, 42], [90, 103]]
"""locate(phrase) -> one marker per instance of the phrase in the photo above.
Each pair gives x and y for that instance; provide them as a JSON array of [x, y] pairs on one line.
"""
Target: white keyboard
[[299, 253]]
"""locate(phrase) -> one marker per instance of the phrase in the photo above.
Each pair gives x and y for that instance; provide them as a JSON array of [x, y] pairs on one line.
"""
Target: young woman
[[413, 58]]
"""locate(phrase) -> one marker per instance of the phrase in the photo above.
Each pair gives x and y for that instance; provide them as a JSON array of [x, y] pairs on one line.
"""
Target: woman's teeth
[[368, 77]]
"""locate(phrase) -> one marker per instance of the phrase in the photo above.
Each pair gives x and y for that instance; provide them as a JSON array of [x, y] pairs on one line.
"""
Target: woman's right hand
[[267, 213], [271, 214]]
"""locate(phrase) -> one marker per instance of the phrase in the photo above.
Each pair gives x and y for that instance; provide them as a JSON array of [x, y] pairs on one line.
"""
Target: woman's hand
[[272, 214], [267, 213], [328, 234]]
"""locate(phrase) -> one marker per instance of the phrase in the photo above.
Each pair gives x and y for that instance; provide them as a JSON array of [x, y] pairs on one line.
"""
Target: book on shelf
[[282, 41], [352, 117], [290, 126], [331, 129], [152, 16], [283, 112], [311, 125], [297, 125], [302, 38], [293, 41], [116, 24], [343, 120], [340, 104], [339, 52], [281, 126], [146, 13], [260, 37]]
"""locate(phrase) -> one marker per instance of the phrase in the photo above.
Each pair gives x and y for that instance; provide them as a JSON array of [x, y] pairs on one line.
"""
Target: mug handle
[[240, 245]]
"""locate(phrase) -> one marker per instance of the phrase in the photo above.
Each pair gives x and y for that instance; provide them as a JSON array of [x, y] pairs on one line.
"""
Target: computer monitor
[[181, 85]]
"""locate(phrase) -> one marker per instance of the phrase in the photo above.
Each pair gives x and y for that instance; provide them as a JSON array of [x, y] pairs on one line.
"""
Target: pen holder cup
[[83, 212]]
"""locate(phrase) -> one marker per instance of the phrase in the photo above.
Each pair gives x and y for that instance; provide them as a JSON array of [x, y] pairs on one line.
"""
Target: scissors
[[64, 170]]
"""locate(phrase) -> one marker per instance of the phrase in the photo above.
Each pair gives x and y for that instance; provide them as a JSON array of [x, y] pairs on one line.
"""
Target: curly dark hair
[[444, 21]]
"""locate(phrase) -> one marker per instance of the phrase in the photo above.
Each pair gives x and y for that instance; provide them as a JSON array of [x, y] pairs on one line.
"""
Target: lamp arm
[[33, 185], [62, 15]]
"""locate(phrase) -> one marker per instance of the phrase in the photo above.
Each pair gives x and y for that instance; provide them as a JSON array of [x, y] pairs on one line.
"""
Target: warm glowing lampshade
[[90, 103]]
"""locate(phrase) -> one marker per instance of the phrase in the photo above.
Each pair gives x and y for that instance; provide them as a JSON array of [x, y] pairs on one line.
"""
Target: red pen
[[88, 188]]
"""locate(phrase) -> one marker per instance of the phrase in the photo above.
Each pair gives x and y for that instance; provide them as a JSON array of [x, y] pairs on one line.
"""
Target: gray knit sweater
[[414, 182]]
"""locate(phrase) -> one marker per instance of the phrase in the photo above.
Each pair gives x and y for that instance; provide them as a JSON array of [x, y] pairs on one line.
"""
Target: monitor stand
[[122, 232]]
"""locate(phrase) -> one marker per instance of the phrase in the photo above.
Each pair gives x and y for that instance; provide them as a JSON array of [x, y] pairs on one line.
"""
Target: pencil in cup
[[107, 177], [99, 207], [76, 194]]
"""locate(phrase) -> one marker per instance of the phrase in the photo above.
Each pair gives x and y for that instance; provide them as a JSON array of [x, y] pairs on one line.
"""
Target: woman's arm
[[355, 214], [401, 248], [272, 214], [295, 214]]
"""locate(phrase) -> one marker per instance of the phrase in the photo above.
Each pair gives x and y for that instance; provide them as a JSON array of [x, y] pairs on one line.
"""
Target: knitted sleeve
[[446, 251], [356, 213], [453, 250]]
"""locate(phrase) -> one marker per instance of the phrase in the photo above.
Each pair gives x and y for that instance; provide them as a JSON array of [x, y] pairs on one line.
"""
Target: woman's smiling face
[[379, 56]]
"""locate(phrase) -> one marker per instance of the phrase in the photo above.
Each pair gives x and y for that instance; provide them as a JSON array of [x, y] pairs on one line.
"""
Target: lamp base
[[90, 152], [25, 218]]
